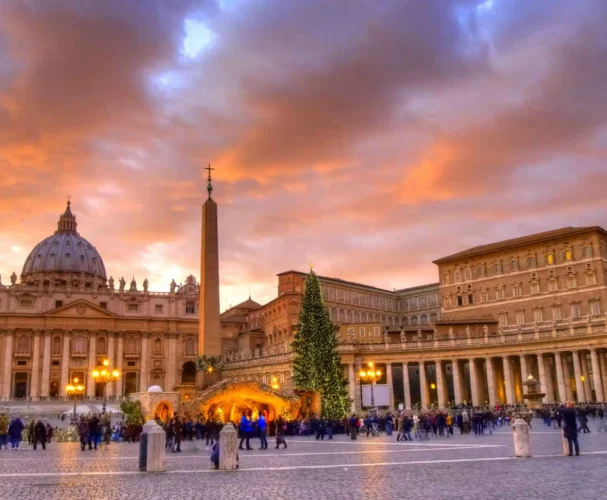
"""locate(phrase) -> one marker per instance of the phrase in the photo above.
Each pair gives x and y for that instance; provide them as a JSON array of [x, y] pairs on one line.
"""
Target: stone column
[[171, 363], [352, 386], [109, 389], [586, 375], [144, 368], [423, 385], [560, 378], [65, 365], [457, 382], [567, 377], [551, 396], [596, 375], [491, 382], [390, 384], [406, 385], [476, 397], [524, 373], [577, 373], [510, 396], [603, 363], [46, 365], [542, 374], [35, 381], [119, 361], [7, 374], [440, 384], [90, 381]]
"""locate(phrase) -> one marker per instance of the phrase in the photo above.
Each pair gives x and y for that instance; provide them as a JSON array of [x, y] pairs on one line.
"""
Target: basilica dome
[[64, 252]]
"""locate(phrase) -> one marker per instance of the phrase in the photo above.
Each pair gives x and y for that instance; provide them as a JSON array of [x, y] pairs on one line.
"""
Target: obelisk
[[209, 329]]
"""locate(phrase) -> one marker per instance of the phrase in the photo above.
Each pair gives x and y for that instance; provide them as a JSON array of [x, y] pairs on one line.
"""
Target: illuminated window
[[568, 255], [549, 259]]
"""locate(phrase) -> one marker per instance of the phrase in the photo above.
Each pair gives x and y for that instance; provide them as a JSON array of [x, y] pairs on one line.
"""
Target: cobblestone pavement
[[468, 467]]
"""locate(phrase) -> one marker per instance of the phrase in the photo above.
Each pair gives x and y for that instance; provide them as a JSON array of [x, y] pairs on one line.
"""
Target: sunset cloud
[[366, 137]]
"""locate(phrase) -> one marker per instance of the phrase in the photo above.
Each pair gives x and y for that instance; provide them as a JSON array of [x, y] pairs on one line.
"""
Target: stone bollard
[[522, 442], [228, 448], [143, 444], [156, 455]]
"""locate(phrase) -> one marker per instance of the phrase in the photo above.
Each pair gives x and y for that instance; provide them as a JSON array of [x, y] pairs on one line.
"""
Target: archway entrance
[[164, 411], [20, 385], [188, 373]]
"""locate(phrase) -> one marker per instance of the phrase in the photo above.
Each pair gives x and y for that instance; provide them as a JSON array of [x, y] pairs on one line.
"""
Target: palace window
[[553, 285], [448, 302], [587, 251], [550, 259], [484, 296], [497, 268], [79, 345], [535, 287], [132, 307], [591, 279], [571, 283], [103, 305], [468, 273], [361, 331], [568, 255], [458, 275], [556, 313], [538, 315], [517, 290], [499, 293], [481, 270], [101, 346], [575, 311], [503, 319], [130, 346], [595, 308], [531, 261], [58, 303], [23, 344], [158, 347], [445, 278], [190, 307], [513, 265], [520, 317], [376, 331], [460, 300]]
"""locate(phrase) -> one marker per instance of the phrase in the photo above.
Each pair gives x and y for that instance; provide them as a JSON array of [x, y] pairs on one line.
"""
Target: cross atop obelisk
[[209, 185]]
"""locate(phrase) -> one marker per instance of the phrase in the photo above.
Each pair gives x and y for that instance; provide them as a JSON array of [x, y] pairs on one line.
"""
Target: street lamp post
[[372, 375], [74, 389], [104, 377]]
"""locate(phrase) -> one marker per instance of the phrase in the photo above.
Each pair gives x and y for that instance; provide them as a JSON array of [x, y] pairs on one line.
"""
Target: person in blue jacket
[[262, 425], [245, 429]]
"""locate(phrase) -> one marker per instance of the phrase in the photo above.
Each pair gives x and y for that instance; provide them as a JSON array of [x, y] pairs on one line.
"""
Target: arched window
[[190, 347], [23, 344], [414, 320], [188, 373], [157, 347], [424, 319], [56, 348]]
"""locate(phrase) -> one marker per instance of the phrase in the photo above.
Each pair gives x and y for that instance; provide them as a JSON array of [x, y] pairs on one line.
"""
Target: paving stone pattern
[[466, 467]]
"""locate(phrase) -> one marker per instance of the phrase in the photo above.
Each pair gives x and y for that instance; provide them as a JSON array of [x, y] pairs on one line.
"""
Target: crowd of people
[[14, 430]]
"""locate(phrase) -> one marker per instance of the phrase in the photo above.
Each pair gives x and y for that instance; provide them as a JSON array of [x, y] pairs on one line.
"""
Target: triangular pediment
[[81, 308]]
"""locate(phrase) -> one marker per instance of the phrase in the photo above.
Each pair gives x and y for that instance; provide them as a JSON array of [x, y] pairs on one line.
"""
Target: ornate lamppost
[[372, 375], [104, 377], [74, 389]]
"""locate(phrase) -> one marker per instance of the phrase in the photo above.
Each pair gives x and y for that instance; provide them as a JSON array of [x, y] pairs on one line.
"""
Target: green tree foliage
[[132, 412], [316, 362]]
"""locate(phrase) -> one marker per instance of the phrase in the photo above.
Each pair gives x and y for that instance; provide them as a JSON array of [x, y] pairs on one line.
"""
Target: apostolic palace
[[500, 312]]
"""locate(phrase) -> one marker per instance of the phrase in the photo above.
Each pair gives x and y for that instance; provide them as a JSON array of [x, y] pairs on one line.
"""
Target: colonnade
[[579, 375]]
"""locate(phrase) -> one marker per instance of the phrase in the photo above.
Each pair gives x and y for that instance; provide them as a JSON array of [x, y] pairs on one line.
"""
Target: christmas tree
[[316, 363]]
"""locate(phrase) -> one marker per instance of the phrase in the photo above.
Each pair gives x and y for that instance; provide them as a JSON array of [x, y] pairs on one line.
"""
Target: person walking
[[15, 429], [3, 430], [245, 429], [178, 433], [353, 427], [570, 430], [93, 424], [83, 431], [281, 428], [262, 425], [39, 434], [321, 427]]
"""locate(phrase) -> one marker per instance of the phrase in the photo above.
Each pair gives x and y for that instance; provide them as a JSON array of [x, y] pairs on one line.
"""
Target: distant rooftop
[[521, 241], [353, 283]]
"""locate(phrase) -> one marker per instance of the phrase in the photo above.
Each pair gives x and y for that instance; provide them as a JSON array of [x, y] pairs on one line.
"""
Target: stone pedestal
[[228, 448], [522, 441], [156, 453], [143, 444]]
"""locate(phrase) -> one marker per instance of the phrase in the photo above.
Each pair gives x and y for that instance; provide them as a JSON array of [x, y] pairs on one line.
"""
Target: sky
[[367, 138]]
